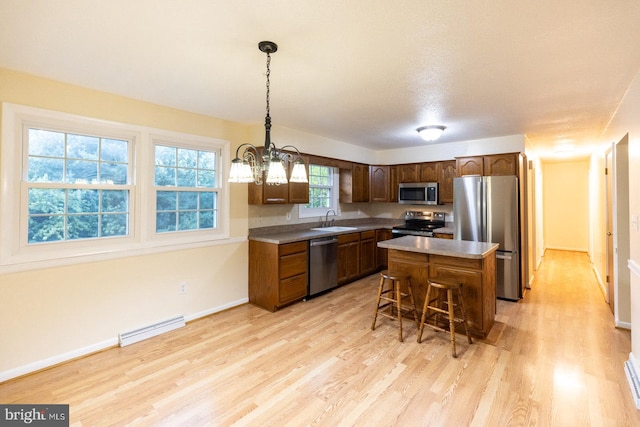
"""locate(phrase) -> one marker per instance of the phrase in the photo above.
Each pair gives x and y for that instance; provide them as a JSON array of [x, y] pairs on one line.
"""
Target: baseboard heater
[[127, 338]]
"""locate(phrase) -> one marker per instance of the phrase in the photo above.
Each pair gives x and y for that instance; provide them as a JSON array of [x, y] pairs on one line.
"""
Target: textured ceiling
[[363, 72]]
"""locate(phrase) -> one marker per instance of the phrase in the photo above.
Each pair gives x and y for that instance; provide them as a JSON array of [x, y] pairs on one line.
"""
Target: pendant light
[[250, 166]]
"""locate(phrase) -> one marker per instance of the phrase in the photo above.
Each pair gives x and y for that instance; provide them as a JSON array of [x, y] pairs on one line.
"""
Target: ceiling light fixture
[[431, 132], [254, 161]]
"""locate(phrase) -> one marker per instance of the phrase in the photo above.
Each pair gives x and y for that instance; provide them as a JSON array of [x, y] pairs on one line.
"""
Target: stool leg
[[452, 325], [375, 315], [413, 303], [398, 304], [464, 315], [425, 308]]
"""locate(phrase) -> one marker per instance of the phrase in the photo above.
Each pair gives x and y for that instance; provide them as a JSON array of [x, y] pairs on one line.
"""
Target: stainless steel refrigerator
[[485, 209]]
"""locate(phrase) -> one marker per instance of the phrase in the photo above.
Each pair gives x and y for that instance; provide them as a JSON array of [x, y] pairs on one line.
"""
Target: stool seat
[[438, 306], [392, 298]]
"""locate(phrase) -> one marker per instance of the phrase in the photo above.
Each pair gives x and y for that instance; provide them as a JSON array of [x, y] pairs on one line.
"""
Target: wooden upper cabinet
[[470, 165], [430, 172], [409, 172], [394, 180], [299, 191], [269, 194], [378, 183], [445, 179], [354, 183], [501, 164]]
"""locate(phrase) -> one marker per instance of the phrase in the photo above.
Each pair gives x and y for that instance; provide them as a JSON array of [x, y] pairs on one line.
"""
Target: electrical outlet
[[634, 222], [182, 288], [288, 216]]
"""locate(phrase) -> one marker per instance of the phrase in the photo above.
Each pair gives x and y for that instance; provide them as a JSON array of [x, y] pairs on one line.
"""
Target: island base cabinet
[[476, 275]]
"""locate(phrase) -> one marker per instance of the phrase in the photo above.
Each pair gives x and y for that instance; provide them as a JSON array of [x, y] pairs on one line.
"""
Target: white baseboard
[[84, 351], [217, 309], [55, 360], [631, 370], [623, 325]]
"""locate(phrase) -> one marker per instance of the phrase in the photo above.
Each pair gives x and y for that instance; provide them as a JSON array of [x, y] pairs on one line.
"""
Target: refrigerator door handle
[[506, 256]]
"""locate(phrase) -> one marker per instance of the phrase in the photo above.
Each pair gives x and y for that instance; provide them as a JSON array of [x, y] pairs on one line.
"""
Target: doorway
[[609, 229]]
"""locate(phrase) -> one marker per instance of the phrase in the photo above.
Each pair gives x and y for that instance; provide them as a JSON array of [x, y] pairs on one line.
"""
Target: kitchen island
[[471, 263]]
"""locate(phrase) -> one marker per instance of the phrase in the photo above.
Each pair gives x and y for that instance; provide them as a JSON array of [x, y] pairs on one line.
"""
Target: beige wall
[[624, 122], [566, 205], [51, 314]]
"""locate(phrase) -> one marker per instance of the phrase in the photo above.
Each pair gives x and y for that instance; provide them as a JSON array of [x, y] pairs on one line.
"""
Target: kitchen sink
[[334, 228]]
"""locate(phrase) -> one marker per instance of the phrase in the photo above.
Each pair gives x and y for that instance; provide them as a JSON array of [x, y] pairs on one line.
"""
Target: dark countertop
[[300, 232]]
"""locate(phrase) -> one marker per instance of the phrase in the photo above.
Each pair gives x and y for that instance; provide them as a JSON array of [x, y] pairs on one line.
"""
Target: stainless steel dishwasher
[[323, 265]]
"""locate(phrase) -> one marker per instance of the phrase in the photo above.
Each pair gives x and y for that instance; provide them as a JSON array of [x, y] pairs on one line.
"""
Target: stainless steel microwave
[[418, 193]]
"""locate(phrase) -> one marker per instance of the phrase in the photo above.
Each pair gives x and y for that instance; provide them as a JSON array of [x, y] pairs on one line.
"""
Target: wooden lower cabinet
[[382, 253], [476, 275], [348, 257], [367, 252], [278, 274], [443, 235]]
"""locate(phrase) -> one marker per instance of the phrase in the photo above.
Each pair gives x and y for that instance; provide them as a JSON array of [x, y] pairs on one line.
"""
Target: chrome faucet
[[326, 218]]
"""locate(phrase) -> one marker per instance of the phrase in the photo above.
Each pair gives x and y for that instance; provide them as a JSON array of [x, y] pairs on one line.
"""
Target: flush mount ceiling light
[[254, 161], [431, 132]]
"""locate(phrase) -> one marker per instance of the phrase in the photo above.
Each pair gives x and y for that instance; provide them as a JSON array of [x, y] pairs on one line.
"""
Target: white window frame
[[304, 212], [17, 255], [196, 143]]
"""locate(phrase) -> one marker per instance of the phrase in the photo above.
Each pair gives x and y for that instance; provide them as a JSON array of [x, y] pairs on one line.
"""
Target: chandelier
[[251, 165]]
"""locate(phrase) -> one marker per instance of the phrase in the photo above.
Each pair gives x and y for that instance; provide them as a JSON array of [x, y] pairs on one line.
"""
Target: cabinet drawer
[[348, 238], [371, 234], [292, 248], [474, 264], [290, 265], [293, 288]]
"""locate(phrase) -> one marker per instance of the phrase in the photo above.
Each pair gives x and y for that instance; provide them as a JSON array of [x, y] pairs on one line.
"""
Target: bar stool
[[436, 304], [392, 298]]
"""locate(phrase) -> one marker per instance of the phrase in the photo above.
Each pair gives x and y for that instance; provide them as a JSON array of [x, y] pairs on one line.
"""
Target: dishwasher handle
[[322, 242]]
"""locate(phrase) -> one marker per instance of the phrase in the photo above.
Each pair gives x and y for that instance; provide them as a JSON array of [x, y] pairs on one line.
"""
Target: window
[[76, 188], [181, 175], [323, 192]]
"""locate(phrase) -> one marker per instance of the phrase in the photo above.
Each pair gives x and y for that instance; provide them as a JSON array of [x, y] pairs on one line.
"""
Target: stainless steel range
[[419, 223]]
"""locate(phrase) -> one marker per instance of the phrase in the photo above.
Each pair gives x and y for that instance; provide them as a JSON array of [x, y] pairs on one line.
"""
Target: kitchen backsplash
[[277, 215]]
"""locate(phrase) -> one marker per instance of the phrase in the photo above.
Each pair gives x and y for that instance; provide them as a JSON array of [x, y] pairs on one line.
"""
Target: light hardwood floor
[[554, 358]]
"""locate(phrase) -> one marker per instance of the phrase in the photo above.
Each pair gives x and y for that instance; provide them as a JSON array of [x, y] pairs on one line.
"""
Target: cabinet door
[[354, 183], [409, 173], [471, 290], [299, 191], [348, 257], [382, 253], [367, 252], [501, 164], [379, 183], [447, 173], [470, 165], [393, 183], [360, 183], [429, 172]]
